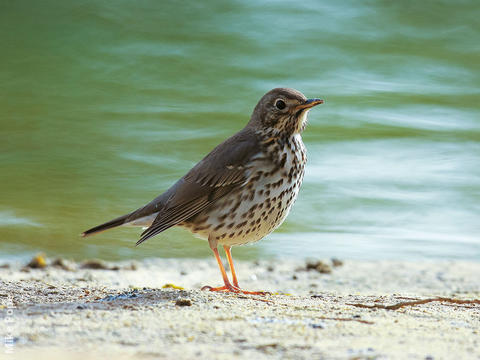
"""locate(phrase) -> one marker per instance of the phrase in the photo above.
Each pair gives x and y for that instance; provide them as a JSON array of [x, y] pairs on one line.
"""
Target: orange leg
[[230, 262], [228, 287]]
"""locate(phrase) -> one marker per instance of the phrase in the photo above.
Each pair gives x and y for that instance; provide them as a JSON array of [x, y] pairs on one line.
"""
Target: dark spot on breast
[[275, 169], [200, 228], [242, 224], [236, 206]]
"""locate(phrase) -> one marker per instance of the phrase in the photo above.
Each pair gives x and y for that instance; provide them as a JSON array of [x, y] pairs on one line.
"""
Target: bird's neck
[[278, 135], [277, 145]]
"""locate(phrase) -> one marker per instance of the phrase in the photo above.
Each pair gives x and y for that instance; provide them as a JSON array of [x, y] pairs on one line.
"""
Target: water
[[104, 104]]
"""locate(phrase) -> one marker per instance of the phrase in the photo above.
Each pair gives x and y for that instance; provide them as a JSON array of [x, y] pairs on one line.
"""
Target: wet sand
[[155, 309]]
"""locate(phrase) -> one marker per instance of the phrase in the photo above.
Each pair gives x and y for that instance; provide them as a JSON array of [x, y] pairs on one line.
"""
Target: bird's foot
[[234, 289]]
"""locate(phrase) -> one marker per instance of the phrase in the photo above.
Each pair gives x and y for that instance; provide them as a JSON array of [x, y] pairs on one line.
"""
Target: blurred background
[[104, 104]]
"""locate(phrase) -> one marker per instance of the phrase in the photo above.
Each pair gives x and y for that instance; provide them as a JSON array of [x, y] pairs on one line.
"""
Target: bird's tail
[[108, 225]]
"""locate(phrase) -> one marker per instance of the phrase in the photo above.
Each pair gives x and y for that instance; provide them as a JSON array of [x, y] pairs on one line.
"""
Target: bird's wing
[[221, 171]]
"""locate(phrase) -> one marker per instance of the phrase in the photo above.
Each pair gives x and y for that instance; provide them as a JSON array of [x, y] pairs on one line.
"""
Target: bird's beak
[[309, 104]]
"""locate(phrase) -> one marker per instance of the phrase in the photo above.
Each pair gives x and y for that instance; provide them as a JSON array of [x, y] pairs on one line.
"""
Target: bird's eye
[[280, 104]]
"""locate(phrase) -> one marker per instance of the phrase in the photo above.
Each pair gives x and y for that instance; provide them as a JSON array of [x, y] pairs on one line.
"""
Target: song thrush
[[243, 189]]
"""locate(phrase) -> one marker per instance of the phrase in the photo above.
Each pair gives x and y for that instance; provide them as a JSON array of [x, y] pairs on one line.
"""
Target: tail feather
[[108, 225]]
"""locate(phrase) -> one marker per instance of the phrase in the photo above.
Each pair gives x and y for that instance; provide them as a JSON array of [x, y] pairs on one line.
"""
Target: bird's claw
[[234, 289]]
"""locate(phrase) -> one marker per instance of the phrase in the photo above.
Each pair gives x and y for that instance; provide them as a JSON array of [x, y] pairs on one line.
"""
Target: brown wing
[[221, 171]]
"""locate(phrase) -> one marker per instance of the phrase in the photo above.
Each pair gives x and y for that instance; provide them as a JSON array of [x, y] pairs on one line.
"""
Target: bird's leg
[[234, 275], [228, 287], [230, 262]]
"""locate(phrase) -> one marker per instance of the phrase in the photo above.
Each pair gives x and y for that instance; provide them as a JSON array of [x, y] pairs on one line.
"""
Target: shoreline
[[154, 308]]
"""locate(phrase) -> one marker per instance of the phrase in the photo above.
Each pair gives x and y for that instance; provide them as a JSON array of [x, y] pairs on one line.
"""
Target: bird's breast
[[252, 211]]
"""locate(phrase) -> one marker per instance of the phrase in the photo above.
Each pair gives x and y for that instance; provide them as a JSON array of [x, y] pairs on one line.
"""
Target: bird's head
[[283, 110]]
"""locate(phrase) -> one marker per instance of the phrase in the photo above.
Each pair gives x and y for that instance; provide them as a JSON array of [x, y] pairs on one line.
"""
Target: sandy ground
[[361, 310]]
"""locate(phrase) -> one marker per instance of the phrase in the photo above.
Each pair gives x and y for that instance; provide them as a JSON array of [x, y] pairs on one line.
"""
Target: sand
[[130, 311]]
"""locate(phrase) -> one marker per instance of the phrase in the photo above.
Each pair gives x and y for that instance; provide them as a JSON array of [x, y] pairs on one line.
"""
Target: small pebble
[[183, 302], [62, 264], [94, 264], [319, 266], [38, 262], [336, 262]]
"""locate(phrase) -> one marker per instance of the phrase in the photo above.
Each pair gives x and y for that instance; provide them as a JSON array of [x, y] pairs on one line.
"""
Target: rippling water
[[104, 104]]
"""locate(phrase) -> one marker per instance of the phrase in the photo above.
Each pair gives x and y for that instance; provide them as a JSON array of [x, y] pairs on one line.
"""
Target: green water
[[104, 104]]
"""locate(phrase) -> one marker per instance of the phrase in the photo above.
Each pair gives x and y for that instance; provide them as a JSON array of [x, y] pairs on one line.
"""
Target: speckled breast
[[256, 209]]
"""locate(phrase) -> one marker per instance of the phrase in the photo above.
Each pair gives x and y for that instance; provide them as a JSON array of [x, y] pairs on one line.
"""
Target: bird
[[242, 190]]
